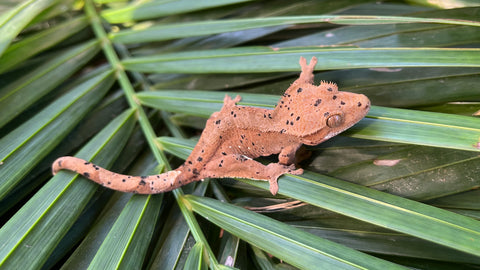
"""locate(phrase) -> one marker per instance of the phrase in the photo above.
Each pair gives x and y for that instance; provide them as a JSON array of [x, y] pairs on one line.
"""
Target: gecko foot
[[276, 171]]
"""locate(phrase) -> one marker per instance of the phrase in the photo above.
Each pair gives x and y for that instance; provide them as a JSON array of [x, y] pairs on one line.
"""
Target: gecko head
[[316, 113]]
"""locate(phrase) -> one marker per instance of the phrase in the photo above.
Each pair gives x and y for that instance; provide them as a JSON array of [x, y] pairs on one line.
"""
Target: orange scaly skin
[[235, 136]]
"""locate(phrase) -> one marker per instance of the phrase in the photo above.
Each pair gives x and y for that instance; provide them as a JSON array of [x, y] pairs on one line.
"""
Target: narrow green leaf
[[387, 35], [288, 243], [253, 60], [435, 172], [174, 239], [382, 209], [417, 127], [91, 242], [465, 200], [87, 249], [156, 9], [446, 4], [191, 29], [385, 124], [126, 244], [38, 226], [25, 146], [195, 259], [37, 82], [199, 103], [379, 208], [14, 20], [229, 249], [372, 239], [32, 45]]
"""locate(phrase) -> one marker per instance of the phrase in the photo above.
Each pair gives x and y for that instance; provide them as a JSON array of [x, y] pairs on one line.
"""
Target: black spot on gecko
[[218, 122], [124, 180], [142, 183], [329, 89], [108, 183], [343, 103], [334, 97], [299, 90], [86, 163], [359, 104], [298, 118], [326, 114], [288, 122], [189, 162], [86, 174], [223, 153], [59, 163], [317, 102], [199, 159]]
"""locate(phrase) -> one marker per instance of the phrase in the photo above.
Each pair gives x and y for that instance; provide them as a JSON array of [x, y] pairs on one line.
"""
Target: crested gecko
[[236, 135]]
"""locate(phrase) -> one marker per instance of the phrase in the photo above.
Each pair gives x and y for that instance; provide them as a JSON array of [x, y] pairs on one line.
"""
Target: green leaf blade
[[382, 209], [288, 243], [286, 59], [191, 29], [23, 92], [13, 21], [26, 145], [24, 49], [56, 206]]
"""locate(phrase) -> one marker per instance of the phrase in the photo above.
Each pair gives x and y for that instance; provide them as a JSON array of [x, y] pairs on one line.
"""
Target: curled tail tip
[[57, 165]]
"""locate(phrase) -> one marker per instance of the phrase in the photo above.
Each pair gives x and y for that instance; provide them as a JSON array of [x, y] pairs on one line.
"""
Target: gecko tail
[[126, 183]]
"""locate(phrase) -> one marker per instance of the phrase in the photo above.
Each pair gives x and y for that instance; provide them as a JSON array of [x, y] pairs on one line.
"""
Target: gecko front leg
[[288, 154], [239, 166]]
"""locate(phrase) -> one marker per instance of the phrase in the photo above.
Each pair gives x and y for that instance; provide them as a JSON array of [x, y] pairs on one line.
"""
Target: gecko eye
[[335, 120]]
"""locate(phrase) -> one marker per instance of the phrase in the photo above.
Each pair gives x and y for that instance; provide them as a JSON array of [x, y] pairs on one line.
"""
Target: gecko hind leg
[[242, 167]]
